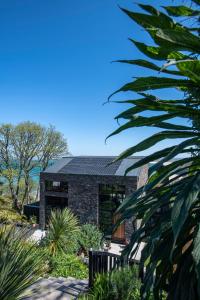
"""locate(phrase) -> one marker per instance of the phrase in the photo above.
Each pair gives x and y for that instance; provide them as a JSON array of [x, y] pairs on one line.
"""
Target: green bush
[[10, 216], [90, 237], [65, 265], [40, 251], [120, 284]]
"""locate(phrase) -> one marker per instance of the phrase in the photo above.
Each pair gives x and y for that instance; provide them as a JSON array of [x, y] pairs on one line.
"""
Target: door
[[110, 197], [119, 234]]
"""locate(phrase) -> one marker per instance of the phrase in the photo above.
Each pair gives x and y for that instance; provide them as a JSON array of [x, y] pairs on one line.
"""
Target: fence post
[[90, 268]]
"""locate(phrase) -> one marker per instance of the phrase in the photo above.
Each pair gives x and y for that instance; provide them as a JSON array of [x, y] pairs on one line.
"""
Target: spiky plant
[[171, 256], [19, 266], [62, 231]]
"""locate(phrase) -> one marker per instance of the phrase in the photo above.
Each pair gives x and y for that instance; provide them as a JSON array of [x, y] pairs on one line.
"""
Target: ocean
[[35, 173]]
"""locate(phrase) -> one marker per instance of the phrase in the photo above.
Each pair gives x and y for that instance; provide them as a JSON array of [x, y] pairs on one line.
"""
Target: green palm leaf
[[158, 53], [168, 205], [181, 10], [153, 83], [149, 65], [183, 39], [183, 203]]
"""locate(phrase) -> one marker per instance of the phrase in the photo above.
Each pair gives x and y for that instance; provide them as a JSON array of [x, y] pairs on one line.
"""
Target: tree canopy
[[24, 148]]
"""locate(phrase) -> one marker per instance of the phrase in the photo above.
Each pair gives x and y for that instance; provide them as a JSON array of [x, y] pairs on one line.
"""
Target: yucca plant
[[62, 232], [19, 266], [172, 252]]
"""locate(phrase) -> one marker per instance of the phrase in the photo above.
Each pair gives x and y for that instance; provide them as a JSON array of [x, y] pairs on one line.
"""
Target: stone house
[[92, 187]]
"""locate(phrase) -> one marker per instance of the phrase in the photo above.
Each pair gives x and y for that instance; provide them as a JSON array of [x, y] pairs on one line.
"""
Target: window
[[110, 197], [56, 186]]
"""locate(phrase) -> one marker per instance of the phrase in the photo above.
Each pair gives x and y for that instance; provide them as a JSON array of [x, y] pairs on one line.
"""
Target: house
[[92, 187]]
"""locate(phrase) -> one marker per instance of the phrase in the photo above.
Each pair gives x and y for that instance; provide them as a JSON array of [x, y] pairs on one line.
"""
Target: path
[[57, 289]]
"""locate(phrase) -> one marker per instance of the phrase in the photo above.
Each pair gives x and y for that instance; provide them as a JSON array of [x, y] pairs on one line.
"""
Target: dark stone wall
[[83, 198], [83, 193], [142, 179]]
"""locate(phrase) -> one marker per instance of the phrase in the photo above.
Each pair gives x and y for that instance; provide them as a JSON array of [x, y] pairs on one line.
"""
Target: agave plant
[[62, 232], [171, 256], [19, 266]]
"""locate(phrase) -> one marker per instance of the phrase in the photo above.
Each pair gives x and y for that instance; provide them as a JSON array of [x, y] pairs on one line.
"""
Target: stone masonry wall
[[83, 193]]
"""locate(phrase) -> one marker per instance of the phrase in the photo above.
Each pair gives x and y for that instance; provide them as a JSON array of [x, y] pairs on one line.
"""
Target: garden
[[62, 253]]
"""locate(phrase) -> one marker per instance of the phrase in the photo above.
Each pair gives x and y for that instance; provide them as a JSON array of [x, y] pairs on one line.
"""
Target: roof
[[94, 165]]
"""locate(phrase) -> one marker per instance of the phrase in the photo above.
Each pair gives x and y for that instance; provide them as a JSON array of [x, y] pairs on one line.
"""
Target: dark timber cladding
[[92, 187]]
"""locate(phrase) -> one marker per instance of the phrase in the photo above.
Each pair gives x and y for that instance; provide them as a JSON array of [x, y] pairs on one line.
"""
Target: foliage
[[23, 148], [40, 251], [117, 285], [61, 265], [11, 216], [33, 219], [7, 214], [90, 237], [54, 145], [171, 254], [19, 265], [68, 265], [62, 232], [5, 202]]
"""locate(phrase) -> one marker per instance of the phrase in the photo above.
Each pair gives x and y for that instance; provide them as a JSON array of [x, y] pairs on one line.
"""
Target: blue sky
[[55, 68]]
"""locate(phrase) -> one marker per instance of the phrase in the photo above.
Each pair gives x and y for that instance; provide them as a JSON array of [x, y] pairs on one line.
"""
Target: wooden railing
[[104, 262]]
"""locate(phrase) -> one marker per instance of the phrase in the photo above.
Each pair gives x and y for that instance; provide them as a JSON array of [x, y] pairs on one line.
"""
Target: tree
[[171, 255], [53, 146], [28, 144], [24, 148], [7, 159]]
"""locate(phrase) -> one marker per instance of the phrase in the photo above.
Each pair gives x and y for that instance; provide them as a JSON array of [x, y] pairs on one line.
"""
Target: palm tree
[[62, 231], [171, 256], [19, 265]]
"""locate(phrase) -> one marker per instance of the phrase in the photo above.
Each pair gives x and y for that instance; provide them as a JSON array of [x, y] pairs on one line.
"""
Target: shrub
[[62, 232], [90, 237], [40, 251], [65, 265], [120, 284], [10, 216], [20, 266]]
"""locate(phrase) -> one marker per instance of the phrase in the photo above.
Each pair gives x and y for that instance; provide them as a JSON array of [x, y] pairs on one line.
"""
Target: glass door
[[110, 197]]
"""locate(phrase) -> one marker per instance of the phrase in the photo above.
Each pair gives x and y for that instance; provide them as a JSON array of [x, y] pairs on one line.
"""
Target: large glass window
[[56, 186], [110, 197]]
